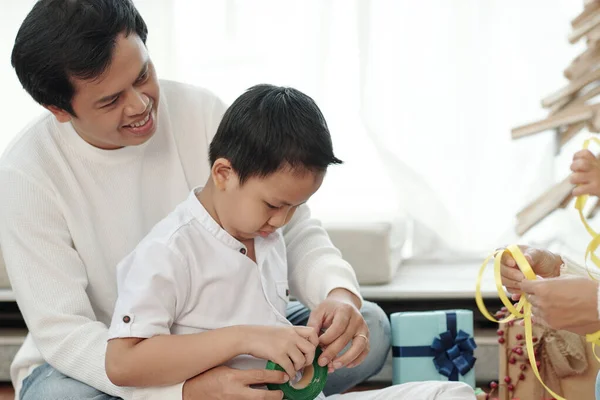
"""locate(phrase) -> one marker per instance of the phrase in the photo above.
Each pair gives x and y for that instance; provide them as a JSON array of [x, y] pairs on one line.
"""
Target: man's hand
[[564, 303], [343, 323], [224, 383]]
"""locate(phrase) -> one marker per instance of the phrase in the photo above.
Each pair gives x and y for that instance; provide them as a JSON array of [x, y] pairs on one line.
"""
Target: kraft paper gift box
[[567, 364], [433, 345]]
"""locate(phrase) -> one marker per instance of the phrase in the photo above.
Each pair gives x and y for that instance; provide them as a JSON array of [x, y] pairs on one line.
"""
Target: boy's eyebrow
[[112, 96]]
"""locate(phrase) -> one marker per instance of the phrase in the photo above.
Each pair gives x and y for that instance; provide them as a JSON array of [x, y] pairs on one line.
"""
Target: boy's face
[[262, 205], [126, 94]]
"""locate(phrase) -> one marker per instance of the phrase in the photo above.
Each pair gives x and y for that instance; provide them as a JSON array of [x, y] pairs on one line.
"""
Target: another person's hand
[[292, 347], [544, 263], [586, 173], [564, 303], [343, 323], [224, 383]]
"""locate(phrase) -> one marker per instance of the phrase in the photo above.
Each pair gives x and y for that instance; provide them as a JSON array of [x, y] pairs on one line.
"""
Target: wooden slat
[[567, 117], [572, 88], [544, 205], [584, 28], [588, 12], [569, 134]]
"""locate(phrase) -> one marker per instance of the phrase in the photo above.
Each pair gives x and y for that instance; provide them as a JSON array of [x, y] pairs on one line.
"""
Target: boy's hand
[[340, 317], [586, 173], [292, 347]]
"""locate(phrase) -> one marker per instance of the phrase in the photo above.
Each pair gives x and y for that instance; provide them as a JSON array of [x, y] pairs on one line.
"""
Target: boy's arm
[[169, 359], [316, 268], [154, 285]]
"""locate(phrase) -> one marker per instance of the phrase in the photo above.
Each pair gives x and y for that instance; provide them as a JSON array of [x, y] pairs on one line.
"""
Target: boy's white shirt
[[204, 278], [69, 212]]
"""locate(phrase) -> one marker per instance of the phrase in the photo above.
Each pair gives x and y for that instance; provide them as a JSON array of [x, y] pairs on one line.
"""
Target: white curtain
[[420, 97]]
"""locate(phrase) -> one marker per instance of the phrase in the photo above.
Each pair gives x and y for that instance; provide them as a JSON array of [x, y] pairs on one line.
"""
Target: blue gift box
[[433, 345]]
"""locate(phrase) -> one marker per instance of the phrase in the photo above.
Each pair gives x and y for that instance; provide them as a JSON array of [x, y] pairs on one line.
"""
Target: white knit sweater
[[69, 212]]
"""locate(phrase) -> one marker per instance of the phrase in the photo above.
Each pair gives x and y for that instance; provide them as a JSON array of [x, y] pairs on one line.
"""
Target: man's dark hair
[[60, 39], [270, 127]]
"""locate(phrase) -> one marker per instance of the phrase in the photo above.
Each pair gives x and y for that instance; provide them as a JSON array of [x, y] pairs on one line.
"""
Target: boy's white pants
[[429, 390]]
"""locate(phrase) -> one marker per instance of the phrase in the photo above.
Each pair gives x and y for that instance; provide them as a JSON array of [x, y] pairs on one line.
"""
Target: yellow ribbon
[[590, 251], [521, 310], [580, 203]]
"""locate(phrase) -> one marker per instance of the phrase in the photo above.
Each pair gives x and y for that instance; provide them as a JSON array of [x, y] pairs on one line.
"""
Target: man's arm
[[49, 281], [315, 266]]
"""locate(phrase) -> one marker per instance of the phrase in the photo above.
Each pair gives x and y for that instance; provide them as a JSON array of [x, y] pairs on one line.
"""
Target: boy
[[214, 272]]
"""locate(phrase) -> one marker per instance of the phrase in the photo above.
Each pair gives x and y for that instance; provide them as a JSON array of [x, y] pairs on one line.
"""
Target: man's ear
[[222, 174], [60, 114]]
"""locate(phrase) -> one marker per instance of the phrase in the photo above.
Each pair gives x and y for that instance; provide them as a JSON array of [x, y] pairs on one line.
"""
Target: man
[[88, 180]]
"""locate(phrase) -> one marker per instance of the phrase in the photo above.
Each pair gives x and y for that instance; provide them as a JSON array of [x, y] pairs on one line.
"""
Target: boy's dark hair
[[270, 127], [60, 39]]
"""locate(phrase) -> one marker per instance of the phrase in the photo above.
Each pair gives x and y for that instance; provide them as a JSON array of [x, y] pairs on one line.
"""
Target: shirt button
[[243, 251], [126, 319]]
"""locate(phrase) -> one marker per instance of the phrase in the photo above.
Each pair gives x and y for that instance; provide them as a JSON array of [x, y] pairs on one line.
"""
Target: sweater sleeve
[[315, 266], [572, 268], [49, 281]]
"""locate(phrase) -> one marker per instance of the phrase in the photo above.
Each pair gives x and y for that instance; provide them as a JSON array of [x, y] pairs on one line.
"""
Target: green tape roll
[[308, 392]]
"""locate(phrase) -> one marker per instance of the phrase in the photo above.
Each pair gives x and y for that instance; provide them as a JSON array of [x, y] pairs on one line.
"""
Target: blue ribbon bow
[[452, 352]]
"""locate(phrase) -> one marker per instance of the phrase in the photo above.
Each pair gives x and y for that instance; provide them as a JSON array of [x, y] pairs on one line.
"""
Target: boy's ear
[[60, 114], [222, 173]]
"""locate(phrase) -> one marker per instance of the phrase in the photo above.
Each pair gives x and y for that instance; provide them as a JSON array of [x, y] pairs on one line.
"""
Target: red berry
[[534, 339], [493, 384], [501, 340], [519, 336], [518, 350], [511, 323], [521, 376], [523, 367], [507, 379], [511, 387], [512, 360], [500, 332]]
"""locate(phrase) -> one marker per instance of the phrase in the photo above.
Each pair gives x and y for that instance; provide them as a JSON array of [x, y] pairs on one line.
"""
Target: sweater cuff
[[339, 282], [173, 392], [572, 268], [340, 275]]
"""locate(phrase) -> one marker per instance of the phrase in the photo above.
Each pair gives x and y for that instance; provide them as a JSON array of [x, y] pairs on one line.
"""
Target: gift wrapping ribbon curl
[[523, 308]]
